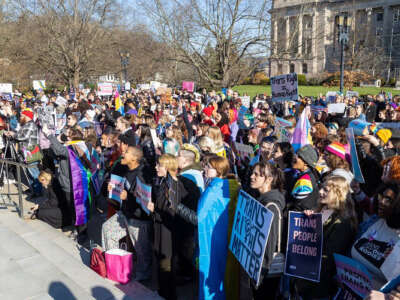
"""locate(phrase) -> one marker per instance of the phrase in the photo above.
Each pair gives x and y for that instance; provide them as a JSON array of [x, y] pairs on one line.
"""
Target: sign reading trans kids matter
[[250, 233], [304, 247], [285, 87]]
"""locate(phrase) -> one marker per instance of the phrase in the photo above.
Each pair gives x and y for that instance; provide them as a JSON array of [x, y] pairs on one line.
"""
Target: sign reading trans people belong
[[285, 87], [304, 247], [250, 233]]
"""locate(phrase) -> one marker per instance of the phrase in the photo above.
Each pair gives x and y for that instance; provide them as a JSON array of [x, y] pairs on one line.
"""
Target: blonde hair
[[45, 175], [170, 162], [339, 199], [215, 134], [206, 142]]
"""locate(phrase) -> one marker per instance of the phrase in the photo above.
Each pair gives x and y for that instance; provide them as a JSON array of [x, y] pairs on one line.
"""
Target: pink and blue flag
[[302, 132]]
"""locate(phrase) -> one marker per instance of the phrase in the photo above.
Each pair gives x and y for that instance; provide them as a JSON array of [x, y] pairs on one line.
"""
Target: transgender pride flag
[[302, 132], [118, 103]]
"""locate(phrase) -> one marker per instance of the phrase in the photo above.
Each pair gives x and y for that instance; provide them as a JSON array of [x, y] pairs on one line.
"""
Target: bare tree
[[233, 29], [71, 33]]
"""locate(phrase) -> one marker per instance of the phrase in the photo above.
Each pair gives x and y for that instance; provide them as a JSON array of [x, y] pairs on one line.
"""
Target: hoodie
[[278, 198]]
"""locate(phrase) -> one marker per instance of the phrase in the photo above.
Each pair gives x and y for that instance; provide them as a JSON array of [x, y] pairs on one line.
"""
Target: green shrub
[[302, 80], [392, 81], [314, 81]]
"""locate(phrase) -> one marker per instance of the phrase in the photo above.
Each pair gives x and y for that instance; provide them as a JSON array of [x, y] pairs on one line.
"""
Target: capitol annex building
[[304, 36]]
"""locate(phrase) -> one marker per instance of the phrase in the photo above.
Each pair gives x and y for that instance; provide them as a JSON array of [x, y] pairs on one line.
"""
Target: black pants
[[268, 289], [167, 278]]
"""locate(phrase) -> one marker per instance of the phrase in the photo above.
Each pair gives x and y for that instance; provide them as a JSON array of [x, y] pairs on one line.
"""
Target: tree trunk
[[76, 79]]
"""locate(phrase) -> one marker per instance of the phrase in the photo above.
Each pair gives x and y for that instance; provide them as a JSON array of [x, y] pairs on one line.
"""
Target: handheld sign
[[104, 89], [355, 164], [281, 130], [354, 277], [39, 84], [304, 247], [351, 94], [143, 194], [337, 108], [117, 183], [6, 88], [245, 101], [391, 285], [331, 96], [188, 86], [284, 87], [250, 232]]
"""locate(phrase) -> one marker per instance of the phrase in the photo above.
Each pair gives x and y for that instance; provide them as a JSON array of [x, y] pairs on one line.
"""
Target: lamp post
[[343, 23], [124, 55]]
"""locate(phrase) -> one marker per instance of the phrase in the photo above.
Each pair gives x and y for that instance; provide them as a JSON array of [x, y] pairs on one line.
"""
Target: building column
[[287, 33], [314, 52], [300, 35], [387, 24], [275, 29]]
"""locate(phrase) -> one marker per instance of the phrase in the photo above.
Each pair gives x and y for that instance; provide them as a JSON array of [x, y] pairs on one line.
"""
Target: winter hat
[[337, 148], [309, 155], [208, 111], [384, 135], [190, 147], [28, 113]]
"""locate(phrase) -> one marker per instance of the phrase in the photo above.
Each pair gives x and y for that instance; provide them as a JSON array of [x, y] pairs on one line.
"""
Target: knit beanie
[[384, 135], [28, 113], [308, 154], [337, 148]]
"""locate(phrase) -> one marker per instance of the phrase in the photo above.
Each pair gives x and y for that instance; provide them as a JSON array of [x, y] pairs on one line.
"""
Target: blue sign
[[250, 233], [304, 247], [391, 285], [241, 116]]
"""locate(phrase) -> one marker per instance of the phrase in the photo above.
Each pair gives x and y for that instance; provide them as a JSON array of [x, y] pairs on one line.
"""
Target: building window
[[396, 16], [291, 68], [280, 69], [305, 69], [379, 17]]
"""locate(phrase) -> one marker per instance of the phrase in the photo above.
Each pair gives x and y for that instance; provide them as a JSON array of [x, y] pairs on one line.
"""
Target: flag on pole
[[302, 132], [118, 103]]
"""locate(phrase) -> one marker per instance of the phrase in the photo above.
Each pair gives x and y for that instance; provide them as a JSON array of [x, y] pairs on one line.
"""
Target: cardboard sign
[[143, 194], [244, 150], [337, 108], [351, 94], [354, 277], [354, 157], [245, 101], [117, 184], [39, 84], [284, 87], [251, 227], [304, 247], [188, 86], [6, 88], [104, 89]]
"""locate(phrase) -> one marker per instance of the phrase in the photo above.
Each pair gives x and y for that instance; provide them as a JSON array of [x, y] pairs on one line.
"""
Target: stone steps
[[40, 262]]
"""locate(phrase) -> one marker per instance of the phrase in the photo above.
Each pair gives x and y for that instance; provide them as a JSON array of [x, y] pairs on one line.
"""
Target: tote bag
[[119, 265]]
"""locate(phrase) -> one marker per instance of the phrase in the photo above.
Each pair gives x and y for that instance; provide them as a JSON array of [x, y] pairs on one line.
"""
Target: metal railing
[[5, 168]]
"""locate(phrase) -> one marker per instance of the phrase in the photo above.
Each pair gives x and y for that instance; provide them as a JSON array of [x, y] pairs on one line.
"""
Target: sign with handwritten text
[[250, 233], [284, 87]]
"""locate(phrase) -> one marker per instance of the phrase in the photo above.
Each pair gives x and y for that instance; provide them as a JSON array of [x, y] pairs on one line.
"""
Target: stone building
[[304, 37]]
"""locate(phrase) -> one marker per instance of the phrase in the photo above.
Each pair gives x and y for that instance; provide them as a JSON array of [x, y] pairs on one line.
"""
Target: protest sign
[[6, 96], [284, 87], [337, 108], [251, 227], [241, 117], [353, 155], [117, 184], [6, 88], [304, 247], [331, 96], [143, 194], [356, 282], [391, 285], [244, 150], [156, 141], [283, 122], [245, 101], [282, 130], [188, 86], [155, 85], [318, 108], [39, 84], [143, 86], [61, 101], [104, 89], [391, 266], [350, 94], [359, 126], [258, 102], [61, 122]]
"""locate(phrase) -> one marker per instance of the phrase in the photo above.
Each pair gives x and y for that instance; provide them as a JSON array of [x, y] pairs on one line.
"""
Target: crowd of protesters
[[185, 147]]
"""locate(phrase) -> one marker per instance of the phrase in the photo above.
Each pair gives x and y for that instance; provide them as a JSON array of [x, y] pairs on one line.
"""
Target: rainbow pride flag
[[118, 103]]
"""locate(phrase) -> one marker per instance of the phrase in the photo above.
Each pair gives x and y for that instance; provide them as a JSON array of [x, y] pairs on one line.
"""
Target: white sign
[[61, 101], [284, 87], [331, 96], [246, 101], [104, 89], [127, 86], [351, 94], [39, 84], [155, 84], [143, 86], [250, 231], [6, 88], [337, 108]]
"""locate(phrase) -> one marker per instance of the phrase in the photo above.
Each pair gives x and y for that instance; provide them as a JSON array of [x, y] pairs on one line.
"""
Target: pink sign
[[188, 86]]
